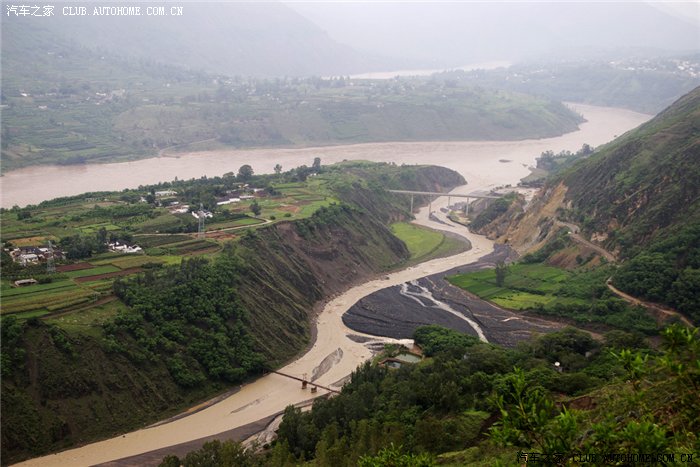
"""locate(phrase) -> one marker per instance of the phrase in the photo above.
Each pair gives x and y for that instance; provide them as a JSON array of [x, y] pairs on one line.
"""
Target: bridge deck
[[433, 193]]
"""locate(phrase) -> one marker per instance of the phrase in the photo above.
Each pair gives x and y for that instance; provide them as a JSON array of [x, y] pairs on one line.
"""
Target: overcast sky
[[476, 31]]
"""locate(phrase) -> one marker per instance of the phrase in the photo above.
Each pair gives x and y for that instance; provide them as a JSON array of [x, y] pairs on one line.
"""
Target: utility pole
[[50, 266], [200, 227]]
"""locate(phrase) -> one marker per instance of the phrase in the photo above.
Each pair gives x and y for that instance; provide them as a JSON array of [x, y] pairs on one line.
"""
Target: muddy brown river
[[473, 159]]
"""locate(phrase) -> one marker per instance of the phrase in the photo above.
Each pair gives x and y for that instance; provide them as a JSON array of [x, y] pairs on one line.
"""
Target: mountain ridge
[[263, 39], [638, 197]]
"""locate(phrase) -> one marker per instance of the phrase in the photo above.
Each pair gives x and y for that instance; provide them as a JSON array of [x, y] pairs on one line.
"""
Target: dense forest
[[471, 403]]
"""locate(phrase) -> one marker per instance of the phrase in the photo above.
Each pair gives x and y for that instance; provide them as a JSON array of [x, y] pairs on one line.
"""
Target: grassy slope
[[645, 182], [637, 197], [423, 243]]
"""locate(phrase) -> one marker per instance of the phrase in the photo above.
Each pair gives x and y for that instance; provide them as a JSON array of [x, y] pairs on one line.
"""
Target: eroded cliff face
[[299, 263], [528, 228], [293, 265]]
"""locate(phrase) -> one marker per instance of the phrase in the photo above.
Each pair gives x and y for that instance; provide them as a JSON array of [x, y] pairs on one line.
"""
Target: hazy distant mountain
[[302, 39], [453, 34], [260, 39]]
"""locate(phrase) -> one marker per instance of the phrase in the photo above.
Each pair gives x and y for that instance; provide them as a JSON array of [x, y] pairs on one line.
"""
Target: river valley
[[272, 393], [479, 162]]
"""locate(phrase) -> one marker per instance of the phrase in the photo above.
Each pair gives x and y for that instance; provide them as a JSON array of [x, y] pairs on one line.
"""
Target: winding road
[[653, 307]]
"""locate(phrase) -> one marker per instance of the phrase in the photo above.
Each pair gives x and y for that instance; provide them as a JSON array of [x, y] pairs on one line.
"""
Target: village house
[[179, 209], [124, 248], [25, 282], [195, 214], [27, 255], [224, 201]]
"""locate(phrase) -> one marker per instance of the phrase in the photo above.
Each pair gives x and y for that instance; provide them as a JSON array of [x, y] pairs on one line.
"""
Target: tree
[[529, 417], [255, 208], [245, 173], [316, 166], [278, 169], [302, 172], [585, 150], [101, 236], [501, 272], [24, 214]]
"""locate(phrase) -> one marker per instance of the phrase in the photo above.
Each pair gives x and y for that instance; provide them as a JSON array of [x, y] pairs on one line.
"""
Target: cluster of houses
[[242, 194], [118, 247], [28, 255]]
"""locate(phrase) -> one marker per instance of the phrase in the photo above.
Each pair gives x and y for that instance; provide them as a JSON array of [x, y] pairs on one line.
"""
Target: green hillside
[[640, 196]]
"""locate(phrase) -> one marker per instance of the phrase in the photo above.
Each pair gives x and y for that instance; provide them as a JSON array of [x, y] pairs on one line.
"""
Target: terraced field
[[81, 284], [94, 219]]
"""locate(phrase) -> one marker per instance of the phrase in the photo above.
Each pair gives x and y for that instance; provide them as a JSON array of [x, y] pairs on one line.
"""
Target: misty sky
[[458, 32]]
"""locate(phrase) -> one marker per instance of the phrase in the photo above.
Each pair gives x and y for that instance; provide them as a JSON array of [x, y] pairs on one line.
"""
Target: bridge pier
[[449, 198]]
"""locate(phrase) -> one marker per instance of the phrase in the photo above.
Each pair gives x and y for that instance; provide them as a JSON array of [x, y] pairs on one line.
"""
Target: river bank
[[336, 344], [397, 311], [472, 159]]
